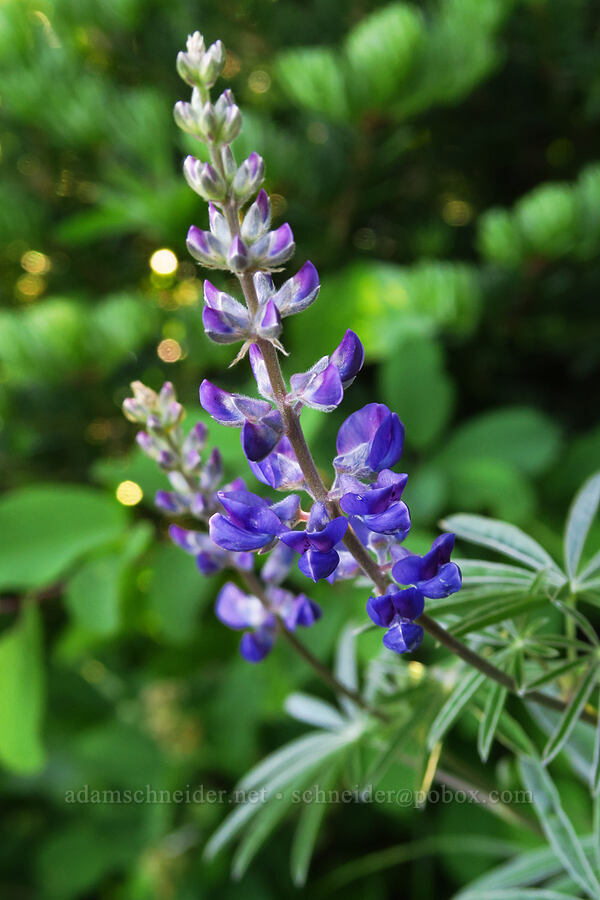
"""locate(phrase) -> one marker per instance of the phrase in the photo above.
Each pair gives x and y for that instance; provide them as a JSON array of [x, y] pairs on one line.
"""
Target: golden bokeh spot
[[259, 81], [232, 66], [169, 350], [35, 262], [93, 671], [129, 493], [29, 287], [187, 293], [416, 671], [278, 205], [164, 262], [457, 212]]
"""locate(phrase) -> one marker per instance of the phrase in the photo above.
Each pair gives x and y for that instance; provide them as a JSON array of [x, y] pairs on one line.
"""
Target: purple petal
[[387, 445], [381, 610], [287, 509], [251, 512], [409, 603], [270, 324], [231, 537], [348, 357], [297, 293], [447, 581], [395, 520], [317, 565], [324, 391], [238, 610], [259, 438], [220, 404], [255, 645], [402, 637], [259, 370], [331, 535], [296, 540]]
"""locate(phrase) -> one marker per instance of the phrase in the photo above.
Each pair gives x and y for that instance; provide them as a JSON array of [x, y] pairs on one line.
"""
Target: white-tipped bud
[[186, 118], [248, 177], [204, 179], [212, 64]]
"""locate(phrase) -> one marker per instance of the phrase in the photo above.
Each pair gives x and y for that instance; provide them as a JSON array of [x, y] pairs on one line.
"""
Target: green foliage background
[[440, 164]]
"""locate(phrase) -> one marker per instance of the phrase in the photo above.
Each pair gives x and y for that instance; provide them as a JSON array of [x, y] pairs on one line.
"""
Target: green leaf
[[494, 705], [307, 830], [506, 610], [413, 383], [556, 825], [503, 537], [45, 529], [93, 595], [313, 78], [177, 592], [314, 711], [22, 693], [380, 50], [480, 571], [519, 435], [518, 894], [571, 714], [555, 673], [346, 669], [595, 771], [581, 515], [466, 688]]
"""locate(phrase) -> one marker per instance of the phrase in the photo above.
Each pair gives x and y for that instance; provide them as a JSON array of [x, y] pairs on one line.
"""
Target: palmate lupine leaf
[[491, 715], [307, 829], [521, 871], [595, 779], [557, 826], [554, 673], [346, 669], [505, 538], [472, 600], [482, 572], [585, 577], [581, 621], [466, 688], [314, 711], [508, 609], [571, 714], [581, 515], [519, 894]]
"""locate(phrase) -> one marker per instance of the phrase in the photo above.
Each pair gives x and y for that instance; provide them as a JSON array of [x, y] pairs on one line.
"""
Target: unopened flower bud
[[133, 410], [212, 64], [237, 258], [248, 177]]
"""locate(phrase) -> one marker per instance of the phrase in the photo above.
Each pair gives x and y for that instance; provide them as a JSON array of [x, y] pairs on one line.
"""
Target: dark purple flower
[[260, 437], [433, 574], [242, 611], [297, 293], [395, 610], [225, 320], [378, 506], [371, 439], [348, 357], [250, 523], [280, 469], [317, 542]]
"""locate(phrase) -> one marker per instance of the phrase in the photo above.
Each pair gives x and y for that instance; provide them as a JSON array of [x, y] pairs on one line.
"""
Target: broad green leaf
[[519, 435], [307, 830], [314, 711], [380, 50], [581, 515], [494, 705], [314, 78], [503, 537], [22, 693], [177, 592], [557, 826], [413, 383], [46, 528], [93, 595], [571, 714], [456, 702]]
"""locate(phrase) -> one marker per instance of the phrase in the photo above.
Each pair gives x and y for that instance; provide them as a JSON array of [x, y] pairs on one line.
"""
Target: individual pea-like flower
[[295, 294], [322, 386], [433, 574], [262, 426], [280, 469], [395, 611], [251, 522], [225, 320], [378, 505], [209, 557], [245, 612], [248, 177], [371, 439], [317, 542]]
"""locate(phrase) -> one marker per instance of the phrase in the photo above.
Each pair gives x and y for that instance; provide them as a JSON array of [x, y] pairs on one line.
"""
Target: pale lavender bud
[[212, 64], [218, 224], [154, 424], [166, 459], [248, 177], [208, 122], [275, 248], [186, 118], [237, 258], [270, 324], [133, 410], [189, 62], [147, 444], [213, 471], [196, 439], [229, 166], [257, 219], [171, 502], [204, 179], [144, 395], [206, 248]]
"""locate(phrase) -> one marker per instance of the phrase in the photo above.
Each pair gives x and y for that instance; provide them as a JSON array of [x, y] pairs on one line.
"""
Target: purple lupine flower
[[192, 447], [280, 469], [242, 611], [348, 357], [317, 542], [251, 523], [249, 177], [238, 259], [396, 610], [209, 557], [371, 439], [378, 506], [231, 409], [261, 436], [269, 325], [274, 249], [204, 179], [320, 387], [433, 573], [257, 219], [297, 293], [206, 248], [225, 320]]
